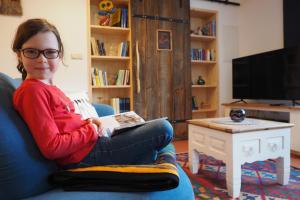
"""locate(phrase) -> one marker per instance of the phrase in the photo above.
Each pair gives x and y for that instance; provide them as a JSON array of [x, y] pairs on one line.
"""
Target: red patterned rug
[[258, 180]]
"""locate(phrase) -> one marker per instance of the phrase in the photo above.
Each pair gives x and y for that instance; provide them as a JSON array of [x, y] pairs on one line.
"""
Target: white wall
[[70, 18], [260, 26]]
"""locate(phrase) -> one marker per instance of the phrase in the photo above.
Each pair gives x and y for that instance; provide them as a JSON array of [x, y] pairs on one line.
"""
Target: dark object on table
[[237, 115]]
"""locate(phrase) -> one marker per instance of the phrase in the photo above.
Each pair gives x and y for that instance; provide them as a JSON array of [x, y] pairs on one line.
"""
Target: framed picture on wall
[[10, 7], [164, 40]]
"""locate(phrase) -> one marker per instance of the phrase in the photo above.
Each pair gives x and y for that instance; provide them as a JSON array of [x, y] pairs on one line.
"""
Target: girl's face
[[41, 67]]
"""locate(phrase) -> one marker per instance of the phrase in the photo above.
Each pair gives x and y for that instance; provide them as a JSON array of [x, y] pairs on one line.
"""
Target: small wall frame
[[164, 40], [10, 7]]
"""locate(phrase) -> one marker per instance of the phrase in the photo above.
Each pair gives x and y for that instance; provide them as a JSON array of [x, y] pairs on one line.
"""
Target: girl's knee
[[167, 129]]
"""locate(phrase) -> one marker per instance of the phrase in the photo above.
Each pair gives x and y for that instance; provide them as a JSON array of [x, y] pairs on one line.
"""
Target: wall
[[260, 26], [70, 19]]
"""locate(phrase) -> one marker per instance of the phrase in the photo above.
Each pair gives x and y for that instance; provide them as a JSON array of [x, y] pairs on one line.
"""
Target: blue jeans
[[136, 146]]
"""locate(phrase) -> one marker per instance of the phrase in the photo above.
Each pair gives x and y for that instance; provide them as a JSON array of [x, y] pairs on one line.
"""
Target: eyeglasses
[[35, 53]]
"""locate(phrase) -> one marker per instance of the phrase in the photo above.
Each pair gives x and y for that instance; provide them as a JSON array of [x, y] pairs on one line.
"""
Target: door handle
[[138, 82]]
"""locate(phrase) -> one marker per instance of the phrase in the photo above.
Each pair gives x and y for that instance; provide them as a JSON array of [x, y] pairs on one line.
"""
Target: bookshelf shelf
[[112, 87], [204, 62], [109, 72], [109, 30], [110, 58], [202, 37], [204, 86]]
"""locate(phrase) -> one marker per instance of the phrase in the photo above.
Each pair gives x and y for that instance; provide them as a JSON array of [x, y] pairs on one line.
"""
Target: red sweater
[[60, 133]]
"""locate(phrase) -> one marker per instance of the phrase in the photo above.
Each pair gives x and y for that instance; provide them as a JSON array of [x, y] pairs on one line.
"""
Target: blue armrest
[[104, 109]]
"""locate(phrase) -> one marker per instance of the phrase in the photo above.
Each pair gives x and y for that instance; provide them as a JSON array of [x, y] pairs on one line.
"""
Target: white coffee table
[[237, 143]]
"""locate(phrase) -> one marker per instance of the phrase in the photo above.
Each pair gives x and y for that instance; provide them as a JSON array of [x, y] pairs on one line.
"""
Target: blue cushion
[[103, 109], [23, 170], [184, 191]]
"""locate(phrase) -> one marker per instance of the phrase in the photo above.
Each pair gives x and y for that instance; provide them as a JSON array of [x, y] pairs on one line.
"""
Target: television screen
[[291, 27], [273, 75]]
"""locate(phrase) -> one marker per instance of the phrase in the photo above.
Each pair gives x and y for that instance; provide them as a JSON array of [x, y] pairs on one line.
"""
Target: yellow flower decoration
[[106, 6]]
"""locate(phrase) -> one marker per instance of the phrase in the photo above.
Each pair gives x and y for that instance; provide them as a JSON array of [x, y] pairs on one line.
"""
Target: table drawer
[[250, 148], [274, 144]]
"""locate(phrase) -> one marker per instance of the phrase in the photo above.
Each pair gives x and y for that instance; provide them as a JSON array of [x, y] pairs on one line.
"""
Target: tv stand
[[295, 103], [292, 114], [241, 100]]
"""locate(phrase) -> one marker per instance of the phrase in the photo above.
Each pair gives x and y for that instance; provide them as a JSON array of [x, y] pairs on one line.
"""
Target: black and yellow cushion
[[162, 175]]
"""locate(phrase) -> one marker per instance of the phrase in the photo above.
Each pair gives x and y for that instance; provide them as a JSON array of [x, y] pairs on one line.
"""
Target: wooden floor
[[182, 147]]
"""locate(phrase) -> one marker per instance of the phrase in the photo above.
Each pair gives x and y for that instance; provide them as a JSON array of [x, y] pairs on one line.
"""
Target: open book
[[115, 124]]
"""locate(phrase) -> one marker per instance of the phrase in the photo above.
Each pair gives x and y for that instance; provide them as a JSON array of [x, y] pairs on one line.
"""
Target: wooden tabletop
[[249, 124]]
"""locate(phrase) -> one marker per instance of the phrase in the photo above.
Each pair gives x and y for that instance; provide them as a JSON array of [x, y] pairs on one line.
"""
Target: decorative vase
[[200, 81], [237, 115]]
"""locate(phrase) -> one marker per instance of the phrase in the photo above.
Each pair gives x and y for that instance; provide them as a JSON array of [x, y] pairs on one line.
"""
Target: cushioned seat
[[24, 171]]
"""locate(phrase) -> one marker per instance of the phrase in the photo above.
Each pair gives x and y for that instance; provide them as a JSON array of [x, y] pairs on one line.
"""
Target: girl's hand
[[98, 123]]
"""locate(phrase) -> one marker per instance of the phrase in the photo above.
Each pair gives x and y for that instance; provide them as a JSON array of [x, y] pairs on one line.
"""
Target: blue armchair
[[24, 171]]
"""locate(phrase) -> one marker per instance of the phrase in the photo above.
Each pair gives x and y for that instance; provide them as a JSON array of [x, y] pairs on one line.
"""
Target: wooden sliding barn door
[[162, 78]]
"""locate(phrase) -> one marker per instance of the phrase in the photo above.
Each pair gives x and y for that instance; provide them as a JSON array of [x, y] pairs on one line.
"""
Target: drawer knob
[[248, 150], [273, 147]]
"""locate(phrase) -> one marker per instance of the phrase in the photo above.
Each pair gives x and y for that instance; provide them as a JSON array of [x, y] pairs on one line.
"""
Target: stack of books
[[97, 47], [120, 105], [122, 77], [203, 54]]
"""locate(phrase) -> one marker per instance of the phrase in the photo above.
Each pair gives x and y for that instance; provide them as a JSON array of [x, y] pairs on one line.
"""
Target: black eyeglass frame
[[40, 52]]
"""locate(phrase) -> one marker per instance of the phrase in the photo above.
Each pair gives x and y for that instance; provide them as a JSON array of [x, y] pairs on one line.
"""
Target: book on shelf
[[120, 105], [122, 77], [119, 18], [209, 29], [203, 54], [94, 47], [99, 77], [101, 49], [115, 19], [194, 103], [123, 49], [124, 17], [126, 78], [116, 124]]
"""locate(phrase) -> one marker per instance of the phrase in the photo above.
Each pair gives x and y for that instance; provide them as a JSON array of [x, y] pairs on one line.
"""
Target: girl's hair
[[28, 29]]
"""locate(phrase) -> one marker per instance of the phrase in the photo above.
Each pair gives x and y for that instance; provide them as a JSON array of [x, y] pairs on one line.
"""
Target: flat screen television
[[273, 75]]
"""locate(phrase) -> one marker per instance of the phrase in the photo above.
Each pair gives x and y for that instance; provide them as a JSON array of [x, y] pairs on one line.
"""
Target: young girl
[[59, 133]]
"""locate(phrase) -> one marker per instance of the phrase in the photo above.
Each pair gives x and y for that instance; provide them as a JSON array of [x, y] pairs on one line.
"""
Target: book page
[[120, 121]]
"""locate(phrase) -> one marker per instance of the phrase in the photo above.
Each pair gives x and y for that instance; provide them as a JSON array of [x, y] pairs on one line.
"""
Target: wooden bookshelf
[[204, 62], [116, 42]]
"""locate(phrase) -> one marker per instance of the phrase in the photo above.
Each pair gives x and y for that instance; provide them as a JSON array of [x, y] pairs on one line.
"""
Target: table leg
[[283, 170], [194, 161], [233, 178]]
